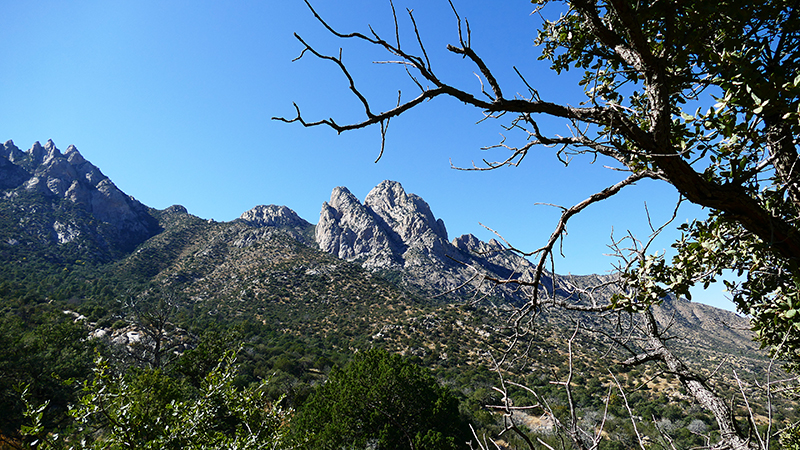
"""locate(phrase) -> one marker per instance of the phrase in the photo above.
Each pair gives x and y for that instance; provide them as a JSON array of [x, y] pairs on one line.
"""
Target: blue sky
[[173, 100]]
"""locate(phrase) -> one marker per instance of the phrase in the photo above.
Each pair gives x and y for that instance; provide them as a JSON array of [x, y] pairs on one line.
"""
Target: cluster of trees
[[380, 400], [43, 350], [151, 394], [201, 401], [151, 409], [210, 398]]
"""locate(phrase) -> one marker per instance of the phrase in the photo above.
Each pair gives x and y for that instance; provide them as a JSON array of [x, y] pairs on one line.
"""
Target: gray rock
[[270, 220], [44, 169], [350, 230], [51, 152], [176, 209], [11, 152], [407, 214], [36, 153], [273, 216], [396, 231], [11, 175]]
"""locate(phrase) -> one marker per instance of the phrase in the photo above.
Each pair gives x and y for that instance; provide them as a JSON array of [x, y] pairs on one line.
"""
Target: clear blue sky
[[173, 100]]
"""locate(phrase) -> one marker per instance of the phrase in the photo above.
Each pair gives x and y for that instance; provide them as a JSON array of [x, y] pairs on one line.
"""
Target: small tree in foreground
[[382, 401], [149, 410]]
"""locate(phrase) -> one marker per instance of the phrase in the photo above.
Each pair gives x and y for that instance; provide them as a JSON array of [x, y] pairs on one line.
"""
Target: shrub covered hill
[[302, 298]]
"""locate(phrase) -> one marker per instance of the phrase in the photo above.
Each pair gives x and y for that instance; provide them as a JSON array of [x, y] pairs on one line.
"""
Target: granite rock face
[[273, 216], [397, 232], [121, 222], [271, 219], [391, 230], [11, 174], [350, 230]]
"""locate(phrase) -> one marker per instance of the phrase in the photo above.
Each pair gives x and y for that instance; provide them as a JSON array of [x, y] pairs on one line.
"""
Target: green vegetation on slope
[[302, 315]]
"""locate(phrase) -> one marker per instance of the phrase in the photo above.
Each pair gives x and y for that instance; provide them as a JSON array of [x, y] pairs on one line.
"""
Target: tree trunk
[[732, 436]]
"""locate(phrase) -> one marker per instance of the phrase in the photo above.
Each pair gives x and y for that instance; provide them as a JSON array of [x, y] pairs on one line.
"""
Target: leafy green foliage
[[150, 410], [769, 291], [384, 401], [49, 353], [790, 438], [649, 62]]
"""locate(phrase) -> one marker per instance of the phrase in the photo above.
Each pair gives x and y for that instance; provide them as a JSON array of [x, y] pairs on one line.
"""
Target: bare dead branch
[[396, 25], [508, 409], [562, 225], [469, 53], [664, 435], [753, 423], [419, 40], [630, 412]]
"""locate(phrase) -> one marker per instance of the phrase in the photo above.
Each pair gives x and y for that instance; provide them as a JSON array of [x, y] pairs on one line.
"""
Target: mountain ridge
[[379, 273], [392, 234]]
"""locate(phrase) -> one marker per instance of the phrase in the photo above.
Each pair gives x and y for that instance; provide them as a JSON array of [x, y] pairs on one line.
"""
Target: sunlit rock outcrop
[[397, 232]]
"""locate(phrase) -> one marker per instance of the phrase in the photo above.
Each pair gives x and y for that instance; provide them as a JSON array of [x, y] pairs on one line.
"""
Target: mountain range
[[375, 270], [381, 272]]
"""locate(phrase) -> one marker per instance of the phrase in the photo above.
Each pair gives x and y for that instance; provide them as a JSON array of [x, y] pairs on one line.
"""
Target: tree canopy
[[380, 400], [149, 409]]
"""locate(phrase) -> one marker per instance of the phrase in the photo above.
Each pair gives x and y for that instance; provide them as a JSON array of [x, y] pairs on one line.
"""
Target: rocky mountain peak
[[349, 230], [71, 177], [74, 156], [176, 209], [392, 230], [51, 151], [407, 214], [11, 174], [381, 230], [471, 244], [387, 194], [343, 200], [11, 152], [397, 231], [467, 242], [273, 216], [36, 152]]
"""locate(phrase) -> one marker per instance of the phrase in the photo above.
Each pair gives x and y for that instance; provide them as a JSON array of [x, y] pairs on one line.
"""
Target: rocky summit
[[391, 230], [397, 232], [66, 186], [273, 216]]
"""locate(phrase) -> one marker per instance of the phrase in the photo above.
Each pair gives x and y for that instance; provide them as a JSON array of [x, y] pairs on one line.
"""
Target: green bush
[[146, 409], [382, 401]]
